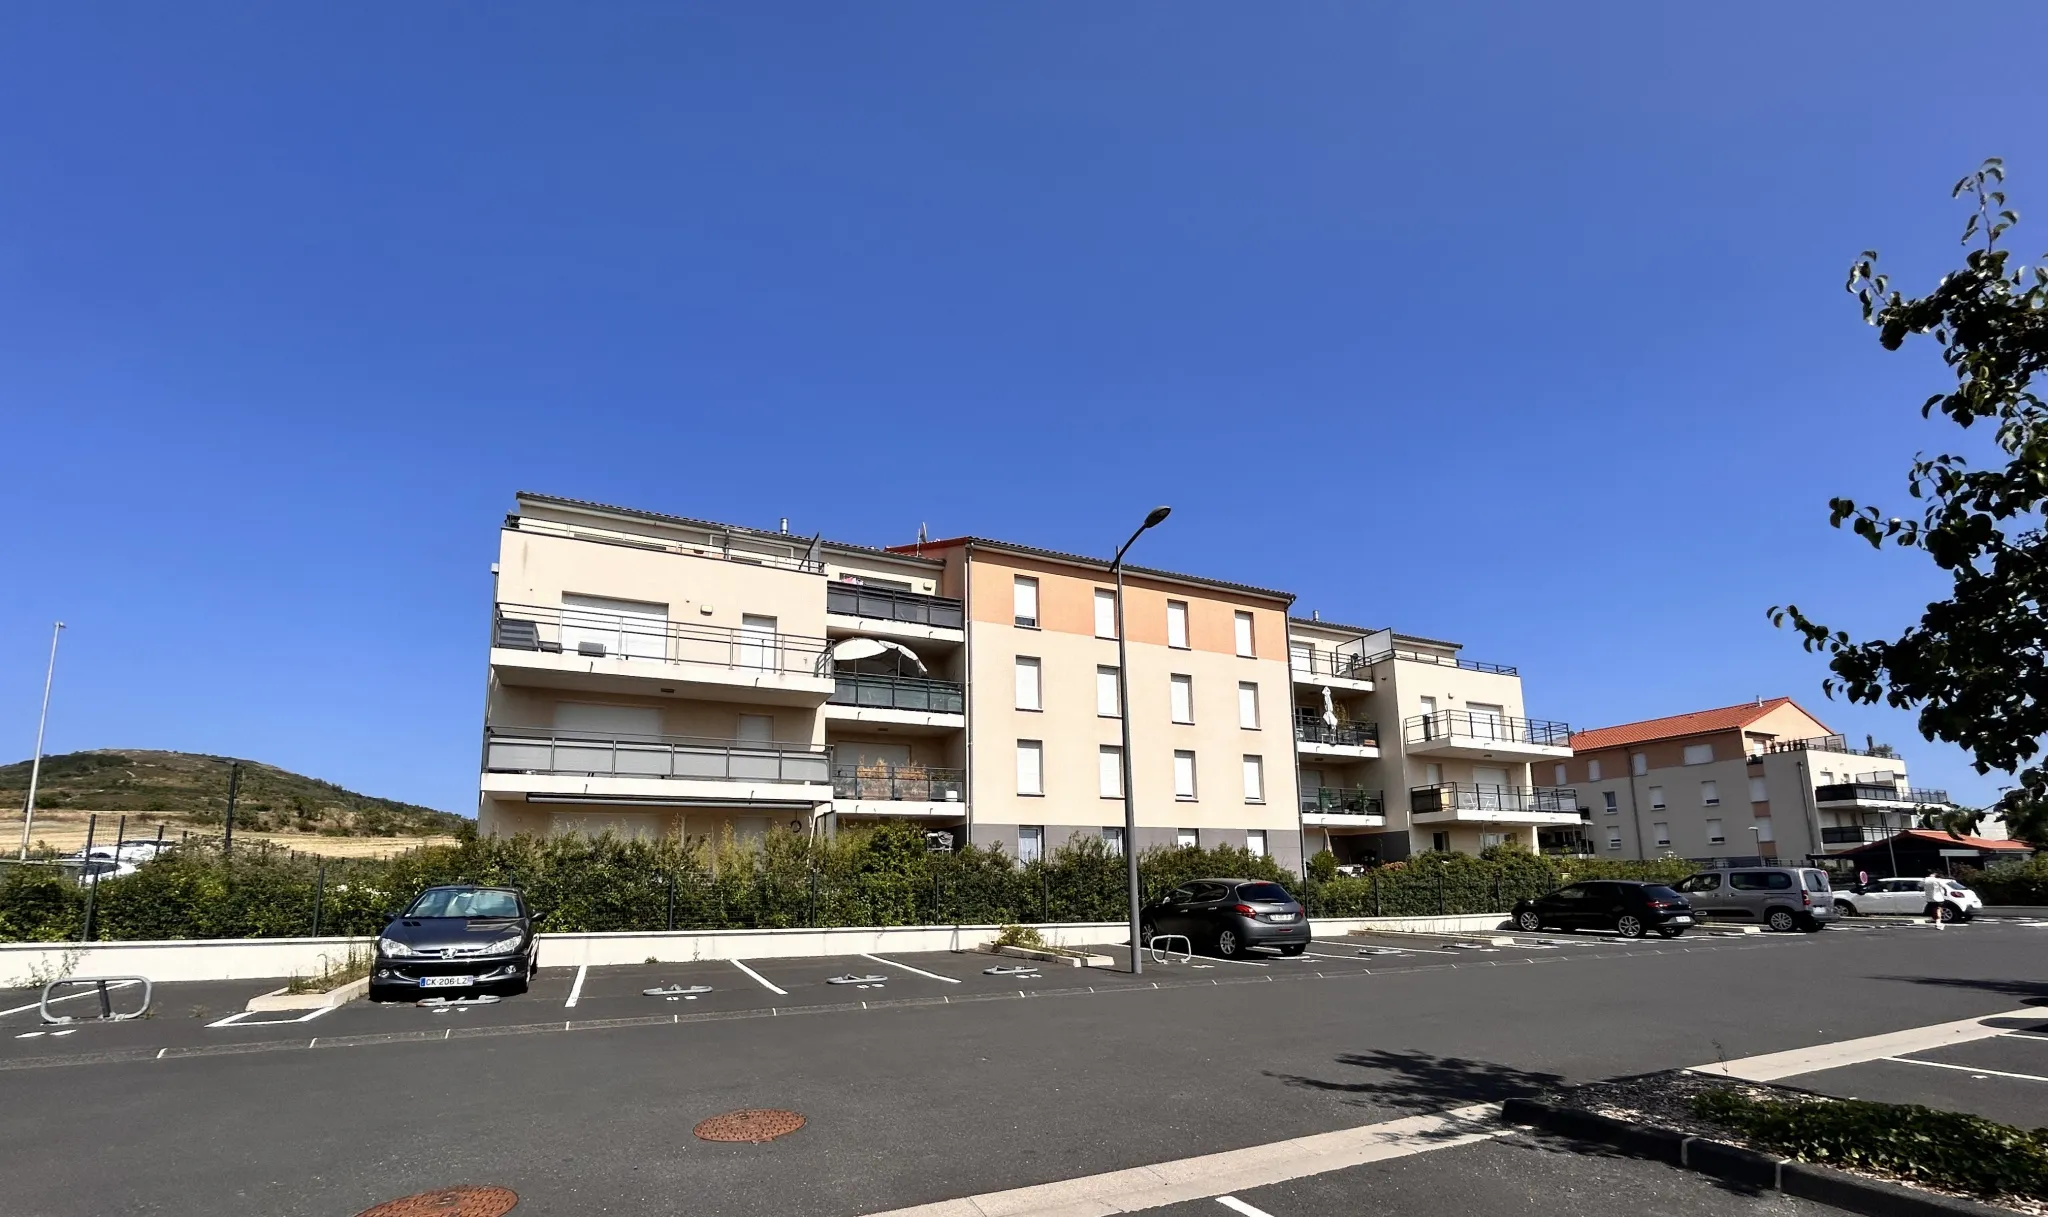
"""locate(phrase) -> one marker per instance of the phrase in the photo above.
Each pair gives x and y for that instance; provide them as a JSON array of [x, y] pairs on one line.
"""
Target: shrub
[[1020, 936], [2012, 882]]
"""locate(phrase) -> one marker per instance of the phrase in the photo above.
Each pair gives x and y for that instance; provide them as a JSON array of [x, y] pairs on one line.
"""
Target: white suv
[[1904, 896]]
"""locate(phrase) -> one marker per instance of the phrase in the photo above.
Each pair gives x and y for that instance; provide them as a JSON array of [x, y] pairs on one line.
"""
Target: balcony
[[1878, 795], [1485, 735], [590, 651], [1442, 661], [889, 612], [1348, 740], [1854, 834], [900, 791], [1336, 669], [547, 766], [1343, 807], [1826, 743], [916, 702], [1461, 803]]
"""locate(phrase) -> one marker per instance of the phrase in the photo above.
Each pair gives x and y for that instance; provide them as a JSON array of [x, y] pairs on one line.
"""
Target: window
[[1248, 705], [1763, 830], [1440, 842], [1612, 805], [1024, 598], [1244, 635], [1656, 798], [1105, 692], [1488, 840], [1699, 754], [1592, 772], [1030, 843], [1663, 834], [1710, 794], [1113, 838], [1254, 779], [1105, 613], [1760, 881], [1030, 767], [1177, 624], [1638, 764], [1183, 698], [759, 643], [1701, 883], [1110, 765], [1183, 775], [1557, 774], [753, 728], [1759, 791], [1433, 774], [1301, 658], [1027, 683], [1184, 838], [1714, 833], [1255, 845], [1614, 838]]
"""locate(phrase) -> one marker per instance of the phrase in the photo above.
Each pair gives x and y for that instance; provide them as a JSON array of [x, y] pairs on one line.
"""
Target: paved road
[[924, 1089]]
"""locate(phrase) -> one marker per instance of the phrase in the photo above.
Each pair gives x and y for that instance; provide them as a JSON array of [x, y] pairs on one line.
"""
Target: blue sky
[[1511, 324]]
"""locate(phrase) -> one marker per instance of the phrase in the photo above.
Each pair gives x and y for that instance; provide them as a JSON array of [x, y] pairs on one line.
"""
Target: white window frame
[[1023, 595], [1557, 774], [1247, 637], [1656, 798], [1181, 698], [1255, 842], [1716, 835], [1710, 793], [1254, 779], [1639, 763], [1185, 791], [1662, 832], [1611, 801], [1759, 790], [1109, 771], [1186, 838], [1592, 770], [1177, 624], [1248, 705], [1113, 840], [1035, 834], [1031, 768], [1614, 839], [1699, 754], [1105, 612], [1763, 829], [1030, 683], [1106, 692]]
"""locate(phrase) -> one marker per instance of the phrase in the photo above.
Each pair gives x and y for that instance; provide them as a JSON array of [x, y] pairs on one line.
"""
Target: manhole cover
[[448, 1202], [748, 1126]]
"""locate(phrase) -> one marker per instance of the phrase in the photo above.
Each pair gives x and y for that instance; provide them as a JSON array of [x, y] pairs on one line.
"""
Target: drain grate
[[465, 1201], [754, 1125]]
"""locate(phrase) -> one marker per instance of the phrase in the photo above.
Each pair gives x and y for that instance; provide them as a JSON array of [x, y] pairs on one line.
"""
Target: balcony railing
[[1341, 801], [1853, 834], [900, 783], [599, 635], [793, 555], [897, 693], [1922, 794], [1309, 664], [586, 754], [1497, 728], [1442, 661], [1824, 743], [1457, 796], [1310, 728], [889, 604]]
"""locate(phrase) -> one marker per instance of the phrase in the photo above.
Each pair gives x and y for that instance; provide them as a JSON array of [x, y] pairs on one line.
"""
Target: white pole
[[35, 769]]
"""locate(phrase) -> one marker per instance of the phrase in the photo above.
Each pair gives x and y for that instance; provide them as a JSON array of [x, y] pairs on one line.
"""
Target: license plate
[[1681, 919], [1282, 916], [446, 982]]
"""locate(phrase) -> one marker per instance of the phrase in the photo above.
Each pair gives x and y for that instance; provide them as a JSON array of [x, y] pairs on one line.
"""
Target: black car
[[1229, 915], [455, 940], [1629, 908]]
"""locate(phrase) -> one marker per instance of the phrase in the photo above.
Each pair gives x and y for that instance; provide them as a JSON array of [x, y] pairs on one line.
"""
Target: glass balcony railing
[[916, 693], [900, 783], [1310, 728], [890, 604], [1458, 796], [1341, 801], [585, 754], [592, 634]]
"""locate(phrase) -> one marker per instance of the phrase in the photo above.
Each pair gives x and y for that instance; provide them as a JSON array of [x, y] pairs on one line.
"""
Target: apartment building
[[1762, 779], [1405, 746]]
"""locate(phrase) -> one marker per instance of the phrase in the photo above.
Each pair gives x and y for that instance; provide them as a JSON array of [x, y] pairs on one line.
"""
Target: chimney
[[1315, 614], [785, 525]]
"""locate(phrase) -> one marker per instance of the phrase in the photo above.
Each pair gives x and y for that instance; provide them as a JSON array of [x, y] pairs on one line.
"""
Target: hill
[[192, 788]]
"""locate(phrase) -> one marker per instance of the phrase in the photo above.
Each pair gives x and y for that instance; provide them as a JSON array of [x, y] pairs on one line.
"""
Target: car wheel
[[1671, 931], [1628, 925], [1949, 912], [1228, 944], [1845, 908], [1293, 949], [1146, 933], [1530, 922], [1782, 921]]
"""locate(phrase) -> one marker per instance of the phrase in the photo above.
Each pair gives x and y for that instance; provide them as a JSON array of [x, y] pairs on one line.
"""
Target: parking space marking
[[1236, 1205], [240, 1018], [94, 992], [765, 982], [906, 967], [1772, 1066], [1980, 1071], [576, 990]]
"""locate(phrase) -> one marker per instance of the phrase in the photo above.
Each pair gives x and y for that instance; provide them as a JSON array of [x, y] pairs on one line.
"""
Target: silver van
[[1781, 897]]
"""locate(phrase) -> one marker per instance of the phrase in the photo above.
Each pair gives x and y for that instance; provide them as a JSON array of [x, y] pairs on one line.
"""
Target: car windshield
[[464, 902], [1816, 880], [1657, 891], [1267, 893]]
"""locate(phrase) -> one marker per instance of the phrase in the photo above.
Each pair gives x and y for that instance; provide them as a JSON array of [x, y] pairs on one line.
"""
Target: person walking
[[1935, 889]]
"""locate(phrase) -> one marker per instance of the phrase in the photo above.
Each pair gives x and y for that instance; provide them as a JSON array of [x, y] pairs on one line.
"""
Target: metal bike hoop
[[107, 1013], [1164, 954]]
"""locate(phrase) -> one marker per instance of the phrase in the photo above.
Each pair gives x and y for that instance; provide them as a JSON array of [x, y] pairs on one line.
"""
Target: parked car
[[1229, 915], [104, 869], [1905, 896], [1781, 897], [1628, 907], [458, 937]]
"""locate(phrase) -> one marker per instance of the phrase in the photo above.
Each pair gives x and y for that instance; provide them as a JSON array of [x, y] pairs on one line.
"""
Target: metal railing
[[900, 783], [1460, 796], [1443, 661], [1313, 663], [1310, 728], [898, 693], [1860, 792], [719, 545], [889, 604], [1341, 801], [1932, 797], [599, 635], [1853, 834], [1823, 743], [1491, 728], [589, 754]]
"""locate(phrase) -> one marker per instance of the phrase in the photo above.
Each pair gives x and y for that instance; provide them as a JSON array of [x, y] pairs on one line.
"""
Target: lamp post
[[1123, 713], [35, 769]]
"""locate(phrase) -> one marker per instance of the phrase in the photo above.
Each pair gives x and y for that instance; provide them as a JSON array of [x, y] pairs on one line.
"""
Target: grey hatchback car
[[1781, 897], [1230, 915]]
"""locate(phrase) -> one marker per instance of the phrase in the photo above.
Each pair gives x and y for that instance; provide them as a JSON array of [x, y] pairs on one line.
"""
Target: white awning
[[869, 648]]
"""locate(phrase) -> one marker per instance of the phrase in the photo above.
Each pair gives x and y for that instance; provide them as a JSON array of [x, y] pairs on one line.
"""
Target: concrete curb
[[1871, 1197], [1080, 959], [278, 999], [1457, 939]]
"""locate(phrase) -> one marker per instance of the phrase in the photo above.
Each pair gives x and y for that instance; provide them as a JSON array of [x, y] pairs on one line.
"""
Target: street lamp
[[1123, 709], [35, 769]]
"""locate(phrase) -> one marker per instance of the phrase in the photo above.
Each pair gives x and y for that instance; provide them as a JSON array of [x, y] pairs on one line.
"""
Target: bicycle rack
[[850, 979], [1163, 954], [1010, 970], [676, 990], [106, 1014]]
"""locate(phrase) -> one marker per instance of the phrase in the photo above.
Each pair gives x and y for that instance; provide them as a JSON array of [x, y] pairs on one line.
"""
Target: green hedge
[[2013, 882], [1948, 1149], [880, 876]]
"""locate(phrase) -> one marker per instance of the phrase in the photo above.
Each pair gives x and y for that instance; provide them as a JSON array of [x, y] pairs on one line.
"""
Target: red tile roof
[[1928, 834], [1699, 722]]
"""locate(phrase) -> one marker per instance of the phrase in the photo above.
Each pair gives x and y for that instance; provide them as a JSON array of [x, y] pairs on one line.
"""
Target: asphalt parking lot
[[941, 1081]]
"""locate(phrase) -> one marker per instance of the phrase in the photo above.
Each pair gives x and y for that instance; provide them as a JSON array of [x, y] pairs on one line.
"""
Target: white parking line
[[240, 1018], [1233, 1203], [765, 982], [1771, 1066], [1996, 1073], [576, 990], [906, 967], [93, 992]]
